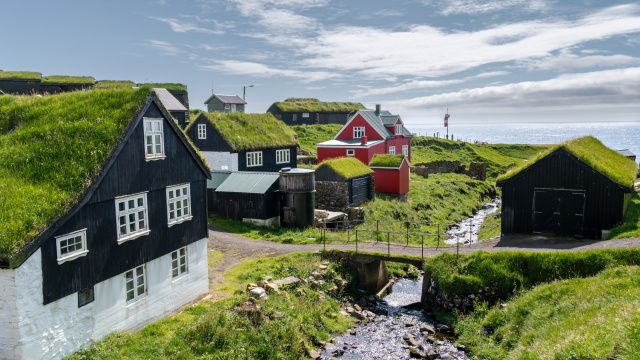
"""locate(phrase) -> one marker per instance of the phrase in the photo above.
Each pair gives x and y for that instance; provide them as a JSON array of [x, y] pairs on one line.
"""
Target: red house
[[366, 133], [392, 174]]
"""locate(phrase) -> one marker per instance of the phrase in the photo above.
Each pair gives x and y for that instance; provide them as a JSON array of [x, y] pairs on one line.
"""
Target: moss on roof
[[64, 79], [251, 131], [347, 167], [114, 84], [168, 86], [386, 160], [22, 75], [315, 105], [51, 150], [590, 150]]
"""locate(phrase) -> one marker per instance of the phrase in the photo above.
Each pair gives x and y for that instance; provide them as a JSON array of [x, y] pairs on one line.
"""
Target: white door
[[233, 107]]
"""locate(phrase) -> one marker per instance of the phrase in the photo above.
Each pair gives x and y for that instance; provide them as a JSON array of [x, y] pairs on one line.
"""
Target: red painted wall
[[347, 132], [392, 180]]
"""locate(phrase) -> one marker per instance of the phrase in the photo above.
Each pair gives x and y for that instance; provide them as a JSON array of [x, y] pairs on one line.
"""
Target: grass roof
[[168, 86], [114, 84], [590, 150], [251, 131], [51, 150], [22, 75], [315, 105], [386, 160], [347, 167], [64, 79]]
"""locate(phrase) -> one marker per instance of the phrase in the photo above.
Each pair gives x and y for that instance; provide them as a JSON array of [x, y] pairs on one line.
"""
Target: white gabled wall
[[8, 315], [219, 160], [60, 328]]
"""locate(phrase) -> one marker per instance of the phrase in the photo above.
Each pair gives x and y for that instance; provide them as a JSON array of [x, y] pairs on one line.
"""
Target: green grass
[[498, 157], [65, 79], [315, 105], [250, 131], [217, 331], [590, 150], [630, 226], [310, 135], [346, 167], [113, 84], [169, 86], [490, 226], [51, 149], [21, 75], [386, 160], [592, 318]]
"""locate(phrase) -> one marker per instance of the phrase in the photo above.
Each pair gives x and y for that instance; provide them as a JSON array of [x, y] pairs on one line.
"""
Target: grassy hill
[[310, 135]]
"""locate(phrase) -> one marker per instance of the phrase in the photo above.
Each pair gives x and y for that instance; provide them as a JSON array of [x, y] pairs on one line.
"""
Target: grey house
[[225, 103]]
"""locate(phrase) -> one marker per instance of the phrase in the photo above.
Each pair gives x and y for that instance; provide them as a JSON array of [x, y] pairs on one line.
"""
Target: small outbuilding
[[54, 84], [342, 183], [577, 188], [225, 103], [20, 82], [308, 111], [392, 174]]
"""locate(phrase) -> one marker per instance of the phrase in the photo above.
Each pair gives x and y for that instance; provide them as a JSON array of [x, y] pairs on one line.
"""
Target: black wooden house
[[307, 111], [244, 142], [126, 243], [342, 183], [577, 189]]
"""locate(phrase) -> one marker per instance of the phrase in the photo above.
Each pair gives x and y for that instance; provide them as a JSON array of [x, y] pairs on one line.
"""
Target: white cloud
[[262, 70], [597, 90], [452, 7], [182, 26], [280, 16], [164, 47], [566, 61]]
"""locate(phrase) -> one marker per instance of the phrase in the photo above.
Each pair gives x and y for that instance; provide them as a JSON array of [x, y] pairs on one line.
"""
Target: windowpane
[[121, 206], [132, 215]]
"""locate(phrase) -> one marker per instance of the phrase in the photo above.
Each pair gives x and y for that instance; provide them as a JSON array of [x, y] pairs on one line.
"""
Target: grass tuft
[[66, 79], [20, 75], [315, 105], [346, 167]]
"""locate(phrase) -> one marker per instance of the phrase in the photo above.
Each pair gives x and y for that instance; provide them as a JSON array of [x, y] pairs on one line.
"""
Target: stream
[[459, 233], [395, 325]]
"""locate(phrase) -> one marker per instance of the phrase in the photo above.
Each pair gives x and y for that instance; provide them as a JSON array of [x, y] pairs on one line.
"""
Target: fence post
[[377, 229], [356, 241], [422, 248], [388, 246], [437, 246], [407, 233], [470, 232], [348, 232], [325, 239], [457, 250]]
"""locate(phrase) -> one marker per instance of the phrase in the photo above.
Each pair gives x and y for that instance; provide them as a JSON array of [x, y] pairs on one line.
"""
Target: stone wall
[[476, 171], [332, 195], [435, 299]]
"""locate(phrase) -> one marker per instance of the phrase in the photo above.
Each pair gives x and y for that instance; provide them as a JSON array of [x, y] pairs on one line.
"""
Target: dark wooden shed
[[20, 82], [313, 111], [342, 183], [578, 189]]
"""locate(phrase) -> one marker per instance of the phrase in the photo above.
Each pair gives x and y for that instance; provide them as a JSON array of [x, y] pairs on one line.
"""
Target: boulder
[[358, 315], [314, 354], [257, 292], [426, 328], [251, 286], [432, 355], [262, 284], [272, 288], [413, 353], [291, 280]]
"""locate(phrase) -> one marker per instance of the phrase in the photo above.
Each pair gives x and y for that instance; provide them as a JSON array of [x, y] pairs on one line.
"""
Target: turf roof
[[22, 75], [51, 150], [590, 150], [64, 79], [251, 131], [386, 160], [168, 86], [315, 105], [346, 167]]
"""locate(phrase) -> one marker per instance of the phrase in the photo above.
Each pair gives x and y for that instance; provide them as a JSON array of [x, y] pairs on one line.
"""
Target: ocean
[[616, 135]]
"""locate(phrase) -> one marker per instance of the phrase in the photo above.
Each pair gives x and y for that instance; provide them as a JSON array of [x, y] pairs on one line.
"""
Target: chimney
[[378, 109], [363, 140]]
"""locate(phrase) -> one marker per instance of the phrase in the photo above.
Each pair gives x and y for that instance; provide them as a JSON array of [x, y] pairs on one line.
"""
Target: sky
[[484, 61]]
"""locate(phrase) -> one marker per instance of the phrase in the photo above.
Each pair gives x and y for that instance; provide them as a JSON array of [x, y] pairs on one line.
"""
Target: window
[[178, 204], [72, 245], [135, 283], [358, 132], [131, 212], [351, 152], [398, 129], [305, 115], [283, 156], [153, 142], [202, 131], [392, 150], [179, 262], [85, 296], [295, 117], [254, 158], [405, 150], [227, 106]]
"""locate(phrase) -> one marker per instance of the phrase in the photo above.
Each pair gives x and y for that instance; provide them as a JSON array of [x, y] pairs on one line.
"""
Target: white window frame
[[62, 244], [405, 150], [177, 210], [351, 152], [398, 129], [392, 150], [202, 131], [283, 156], [153, 139], [305, 115], [358, 132], [139, 213], [294, 117], [133, 283], [254, 158], [227, 106], [179, 263]]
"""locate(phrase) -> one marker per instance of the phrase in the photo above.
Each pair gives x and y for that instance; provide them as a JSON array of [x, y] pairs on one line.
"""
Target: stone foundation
[[332, 195], [476, 171]]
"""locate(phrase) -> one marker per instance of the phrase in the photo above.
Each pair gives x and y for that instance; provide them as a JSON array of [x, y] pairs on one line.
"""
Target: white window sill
[[179, 221], [135, 301], [153, 158], [179, 278], [254, 165], [133, 236], [72, 256]]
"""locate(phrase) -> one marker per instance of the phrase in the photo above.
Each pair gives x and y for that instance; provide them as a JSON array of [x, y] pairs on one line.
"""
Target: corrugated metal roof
[[389, 120], [227, 99], [169, 101], [379, 122], [248, 182], [348, 142], [625, 152], [217, 178]]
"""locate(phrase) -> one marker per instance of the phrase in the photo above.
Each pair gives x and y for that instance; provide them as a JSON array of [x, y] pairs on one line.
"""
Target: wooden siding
[[216, 105], [238, 206], [604, 199], [268, 160], [358, 190], [213, 142], [20, 87]]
